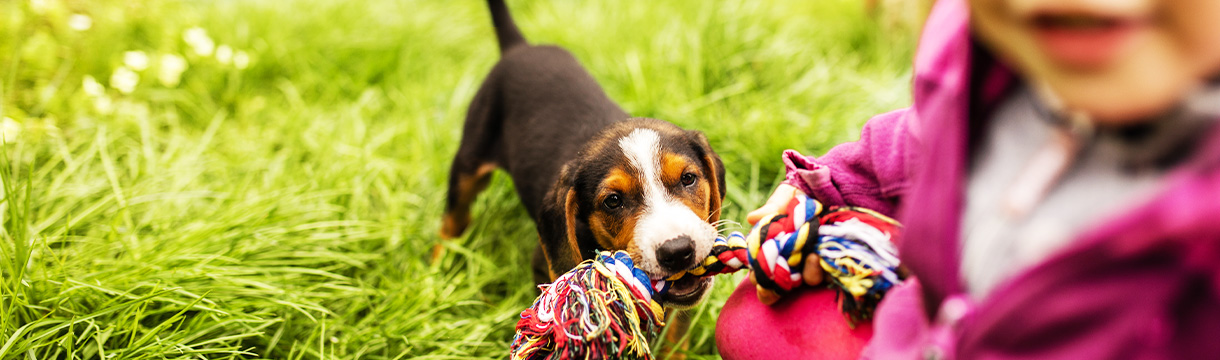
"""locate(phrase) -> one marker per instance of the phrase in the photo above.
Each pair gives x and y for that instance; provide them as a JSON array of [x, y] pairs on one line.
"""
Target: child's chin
[[1118, 99]]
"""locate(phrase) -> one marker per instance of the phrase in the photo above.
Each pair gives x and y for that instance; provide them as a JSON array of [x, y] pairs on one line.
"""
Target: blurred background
[[264, 179]]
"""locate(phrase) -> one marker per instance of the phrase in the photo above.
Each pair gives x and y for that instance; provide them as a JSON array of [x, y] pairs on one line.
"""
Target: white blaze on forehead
[[663, 217], [643, 150]]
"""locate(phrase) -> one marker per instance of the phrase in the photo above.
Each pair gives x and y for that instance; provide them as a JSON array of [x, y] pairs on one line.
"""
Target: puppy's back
[[551, 108], [539, 108]]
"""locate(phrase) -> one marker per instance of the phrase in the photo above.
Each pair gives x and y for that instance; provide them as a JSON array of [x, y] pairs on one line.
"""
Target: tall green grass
[[284, 209]]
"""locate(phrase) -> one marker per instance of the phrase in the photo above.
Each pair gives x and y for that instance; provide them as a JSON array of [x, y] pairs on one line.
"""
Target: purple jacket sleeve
[[871, 172]]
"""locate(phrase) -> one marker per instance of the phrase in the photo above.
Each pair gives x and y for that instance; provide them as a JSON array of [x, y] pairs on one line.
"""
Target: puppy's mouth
[[684, 293]]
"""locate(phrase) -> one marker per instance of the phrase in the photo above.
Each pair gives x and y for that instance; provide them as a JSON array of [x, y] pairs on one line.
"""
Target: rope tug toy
[[605, 307]]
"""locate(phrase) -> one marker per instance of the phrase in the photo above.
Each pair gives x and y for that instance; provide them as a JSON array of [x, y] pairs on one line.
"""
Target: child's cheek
[[1197, 28]]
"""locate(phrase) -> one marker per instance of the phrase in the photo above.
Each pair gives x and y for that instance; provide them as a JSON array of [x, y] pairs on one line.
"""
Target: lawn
[[264, 179]]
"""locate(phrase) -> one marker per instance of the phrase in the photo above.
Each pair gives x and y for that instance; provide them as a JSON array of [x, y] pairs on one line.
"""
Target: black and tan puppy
[[591, 176]]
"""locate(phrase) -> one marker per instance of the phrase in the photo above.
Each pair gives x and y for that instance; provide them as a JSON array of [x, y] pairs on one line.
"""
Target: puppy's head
[[647, 187]]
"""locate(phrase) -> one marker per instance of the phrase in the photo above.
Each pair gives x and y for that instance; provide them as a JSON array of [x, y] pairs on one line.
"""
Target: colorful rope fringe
[[857, 250], [600, 309], [604, 308]]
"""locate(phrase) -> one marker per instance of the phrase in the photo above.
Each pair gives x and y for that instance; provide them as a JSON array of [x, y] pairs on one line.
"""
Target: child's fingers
[[813, 271], [777, 203], [757, 214], [767, 297], [812, 275]]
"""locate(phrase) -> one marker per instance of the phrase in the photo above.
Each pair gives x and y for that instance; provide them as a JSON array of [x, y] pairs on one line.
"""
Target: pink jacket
[[1146, 285]]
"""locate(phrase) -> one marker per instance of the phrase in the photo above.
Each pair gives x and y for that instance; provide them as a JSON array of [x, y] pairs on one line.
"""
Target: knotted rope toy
[[605, 307], [855, 246]]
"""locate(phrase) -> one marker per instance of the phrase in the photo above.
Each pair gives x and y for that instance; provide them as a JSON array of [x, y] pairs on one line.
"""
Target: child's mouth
[[1084, 40]]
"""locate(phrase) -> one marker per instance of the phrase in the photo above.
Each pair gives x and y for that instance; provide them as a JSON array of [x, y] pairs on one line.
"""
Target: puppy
[[592, 177]]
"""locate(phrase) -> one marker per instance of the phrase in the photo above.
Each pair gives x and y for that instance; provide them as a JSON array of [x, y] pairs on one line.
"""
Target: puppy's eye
[[613, 202], [688, 179]]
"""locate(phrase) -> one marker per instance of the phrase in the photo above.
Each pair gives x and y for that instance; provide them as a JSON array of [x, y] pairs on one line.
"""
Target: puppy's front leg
[[675, 331]]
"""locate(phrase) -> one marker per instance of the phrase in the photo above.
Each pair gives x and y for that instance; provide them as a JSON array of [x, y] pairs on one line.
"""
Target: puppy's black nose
[[677, 254]]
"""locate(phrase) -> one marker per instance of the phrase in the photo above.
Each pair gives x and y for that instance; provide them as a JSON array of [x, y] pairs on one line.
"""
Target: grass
[[278, 199]]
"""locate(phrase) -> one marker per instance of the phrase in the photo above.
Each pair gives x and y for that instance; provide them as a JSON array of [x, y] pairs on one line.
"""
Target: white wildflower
[[92, 87], [124, 80], [224, 54], [39, 6], [103, 104], [136, 60], [170, 71], [80, 22], [241, 60], [10, 129], [198, 39]]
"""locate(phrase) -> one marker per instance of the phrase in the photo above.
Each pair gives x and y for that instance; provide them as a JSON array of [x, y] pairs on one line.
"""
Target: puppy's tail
[[506, 29]]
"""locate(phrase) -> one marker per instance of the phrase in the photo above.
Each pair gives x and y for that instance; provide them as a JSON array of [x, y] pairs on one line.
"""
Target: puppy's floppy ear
[[715, 170], [557, 224]]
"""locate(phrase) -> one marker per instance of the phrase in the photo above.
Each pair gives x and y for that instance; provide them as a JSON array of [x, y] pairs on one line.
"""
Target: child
[[1059, 179]]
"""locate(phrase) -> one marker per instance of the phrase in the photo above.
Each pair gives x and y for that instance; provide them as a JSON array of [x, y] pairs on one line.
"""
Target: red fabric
[[807, 324]]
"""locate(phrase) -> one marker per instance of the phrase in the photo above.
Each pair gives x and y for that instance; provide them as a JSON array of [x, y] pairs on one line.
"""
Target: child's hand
[[777, 203]]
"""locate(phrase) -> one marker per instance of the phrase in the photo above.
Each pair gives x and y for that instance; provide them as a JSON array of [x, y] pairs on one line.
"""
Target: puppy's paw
[[437, 252], [453, 225]]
